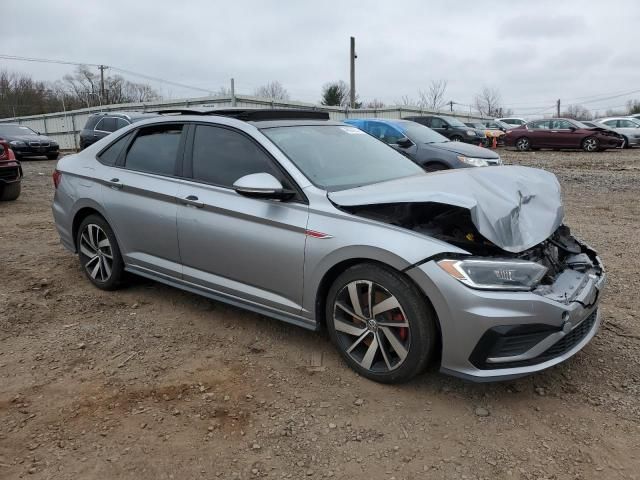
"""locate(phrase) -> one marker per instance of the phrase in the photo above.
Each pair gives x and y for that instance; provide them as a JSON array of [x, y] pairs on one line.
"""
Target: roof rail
[[251, 114]]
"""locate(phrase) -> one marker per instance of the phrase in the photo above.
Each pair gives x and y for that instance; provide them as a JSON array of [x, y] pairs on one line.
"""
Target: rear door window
[[384, 132], [107, 124], [438, 123], [155, 149], [121, 123]]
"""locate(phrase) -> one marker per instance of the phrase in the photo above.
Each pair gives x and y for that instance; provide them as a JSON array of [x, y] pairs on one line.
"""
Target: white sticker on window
[[353, 130]]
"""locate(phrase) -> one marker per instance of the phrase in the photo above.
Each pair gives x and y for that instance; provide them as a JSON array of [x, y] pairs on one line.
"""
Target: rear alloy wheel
[[99, 253], [590, 144], [380, 323], [523, 144]]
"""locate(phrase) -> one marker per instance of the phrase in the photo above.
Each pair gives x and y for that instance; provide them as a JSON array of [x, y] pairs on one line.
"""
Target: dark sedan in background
[[99, 125], [28, 143], [561, 133], [425, 147], [452, 128]]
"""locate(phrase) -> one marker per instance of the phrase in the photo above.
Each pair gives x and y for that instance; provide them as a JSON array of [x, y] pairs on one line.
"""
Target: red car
[[561, 133], [10, 173]]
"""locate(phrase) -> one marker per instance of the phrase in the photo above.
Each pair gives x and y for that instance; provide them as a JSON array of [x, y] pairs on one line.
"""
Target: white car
[[515, 121], [628, 127]]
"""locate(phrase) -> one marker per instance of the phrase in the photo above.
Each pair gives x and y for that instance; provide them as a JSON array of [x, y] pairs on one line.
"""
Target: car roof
[[398, 122], [125, 114]]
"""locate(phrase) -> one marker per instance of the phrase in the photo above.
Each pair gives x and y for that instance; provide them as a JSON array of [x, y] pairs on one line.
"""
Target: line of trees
[[21, 95]]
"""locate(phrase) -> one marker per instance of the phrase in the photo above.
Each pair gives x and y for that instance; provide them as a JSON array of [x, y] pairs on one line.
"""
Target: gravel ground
[[154, 383]]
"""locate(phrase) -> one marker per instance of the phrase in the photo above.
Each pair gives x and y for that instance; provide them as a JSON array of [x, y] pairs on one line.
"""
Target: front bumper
[[35, 151], [10, 172], [542, 330]]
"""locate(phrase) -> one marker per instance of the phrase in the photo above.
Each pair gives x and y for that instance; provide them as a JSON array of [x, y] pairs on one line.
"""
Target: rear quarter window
[[112, 153]]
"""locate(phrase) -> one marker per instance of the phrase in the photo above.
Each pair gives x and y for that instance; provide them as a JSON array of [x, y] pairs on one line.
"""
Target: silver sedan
[[316, 223], [629, 128]]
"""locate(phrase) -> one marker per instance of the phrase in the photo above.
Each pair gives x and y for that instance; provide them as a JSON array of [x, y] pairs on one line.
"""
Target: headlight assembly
[[476, 162], [487, 274], [18, 143], [471, 133]]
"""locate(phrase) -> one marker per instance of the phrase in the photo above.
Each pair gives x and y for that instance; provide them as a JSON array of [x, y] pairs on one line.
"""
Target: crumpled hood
[[465, 149], [514, 207]]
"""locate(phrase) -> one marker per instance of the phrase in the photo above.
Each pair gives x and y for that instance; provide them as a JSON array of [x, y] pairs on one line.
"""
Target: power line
[[128, 72]]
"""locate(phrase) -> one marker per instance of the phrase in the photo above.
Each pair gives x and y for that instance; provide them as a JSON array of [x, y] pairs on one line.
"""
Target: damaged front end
[[524, 296]]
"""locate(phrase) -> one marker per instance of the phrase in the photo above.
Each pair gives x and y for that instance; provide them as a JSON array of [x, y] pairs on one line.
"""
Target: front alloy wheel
[[590, 144], [381, 323]]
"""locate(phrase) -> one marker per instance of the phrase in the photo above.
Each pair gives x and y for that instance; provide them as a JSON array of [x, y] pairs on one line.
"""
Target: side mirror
[[573, 129], [262, 185], [446, 126], [404, 142]]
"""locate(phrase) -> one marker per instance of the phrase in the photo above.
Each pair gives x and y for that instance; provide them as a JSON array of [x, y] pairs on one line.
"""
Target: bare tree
[[375, 103], [488, 102], [433, 98], [406, 101], [577, 112], [633, 107], [273, 91]]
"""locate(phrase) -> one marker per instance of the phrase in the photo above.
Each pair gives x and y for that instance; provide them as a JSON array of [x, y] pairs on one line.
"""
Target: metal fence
[[64, 127]]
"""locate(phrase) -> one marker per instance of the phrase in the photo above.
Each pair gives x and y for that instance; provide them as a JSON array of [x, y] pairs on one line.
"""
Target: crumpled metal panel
[[514, 207]]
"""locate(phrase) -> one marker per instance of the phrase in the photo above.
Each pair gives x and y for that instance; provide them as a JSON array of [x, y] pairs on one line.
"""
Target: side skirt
[[225, 298]]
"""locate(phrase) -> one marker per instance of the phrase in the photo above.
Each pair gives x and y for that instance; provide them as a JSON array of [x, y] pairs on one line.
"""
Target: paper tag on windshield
[[352, 130]]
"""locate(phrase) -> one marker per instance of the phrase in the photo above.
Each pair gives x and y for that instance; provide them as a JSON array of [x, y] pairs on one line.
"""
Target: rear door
[[140, 198], [243, 248]]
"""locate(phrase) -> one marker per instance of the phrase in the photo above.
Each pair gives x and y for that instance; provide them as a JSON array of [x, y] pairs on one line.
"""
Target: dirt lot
[[154, 383]]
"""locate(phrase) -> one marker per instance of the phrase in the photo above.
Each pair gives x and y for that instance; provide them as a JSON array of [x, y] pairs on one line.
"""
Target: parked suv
[[316, 223], [452, 128], [427, 148], [99, 125], [26, 142], [10, 173]]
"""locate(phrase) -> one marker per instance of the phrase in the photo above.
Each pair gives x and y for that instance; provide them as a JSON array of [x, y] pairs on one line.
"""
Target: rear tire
[[99, 253], [523, 144], [10, 191], [392, 344]]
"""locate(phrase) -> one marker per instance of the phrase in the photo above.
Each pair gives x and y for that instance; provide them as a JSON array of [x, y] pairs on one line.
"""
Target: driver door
[[244, 248]]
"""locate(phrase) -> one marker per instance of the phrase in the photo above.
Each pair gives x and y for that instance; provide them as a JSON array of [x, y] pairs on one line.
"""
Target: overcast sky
[[532, 51]]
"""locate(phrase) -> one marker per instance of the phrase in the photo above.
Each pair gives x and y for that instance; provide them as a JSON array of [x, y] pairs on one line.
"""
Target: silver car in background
[[629, 128], [316, 223]]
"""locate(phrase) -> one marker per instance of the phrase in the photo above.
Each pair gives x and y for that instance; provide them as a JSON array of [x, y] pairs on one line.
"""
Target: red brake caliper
[[404, 331]]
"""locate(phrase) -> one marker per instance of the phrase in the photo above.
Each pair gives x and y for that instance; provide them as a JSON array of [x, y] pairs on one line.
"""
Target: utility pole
[[451, 106], [102, 69], [558, 107], [353, 57], [233, 93]]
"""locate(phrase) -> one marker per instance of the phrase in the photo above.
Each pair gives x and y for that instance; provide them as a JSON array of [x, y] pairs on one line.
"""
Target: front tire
[[523, 144], [590, 144], [99, 253], [10, 191], [380, 323], [456, 138], [52, 156]]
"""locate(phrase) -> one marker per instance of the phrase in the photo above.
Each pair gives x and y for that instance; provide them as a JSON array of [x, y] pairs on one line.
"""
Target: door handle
[[193, 201], [115, 184]]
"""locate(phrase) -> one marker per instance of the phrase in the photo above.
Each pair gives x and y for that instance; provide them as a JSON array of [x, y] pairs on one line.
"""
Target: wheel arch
[[336, 270], [82, 210]]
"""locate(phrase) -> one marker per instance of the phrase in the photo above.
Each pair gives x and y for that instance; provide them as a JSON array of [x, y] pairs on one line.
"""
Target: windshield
[[337, 157], [13, 130], [579, 124], [454, 122], [420, 134]]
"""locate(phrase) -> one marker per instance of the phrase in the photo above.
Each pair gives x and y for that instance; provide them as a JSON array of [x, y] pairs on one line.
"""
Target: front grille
[[10, 173], [39, 144], [497, 343]]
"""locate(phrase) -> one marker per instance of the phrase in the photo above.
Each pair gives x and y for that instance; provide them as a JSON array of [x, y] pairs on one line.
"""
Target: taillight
[[57, 178]]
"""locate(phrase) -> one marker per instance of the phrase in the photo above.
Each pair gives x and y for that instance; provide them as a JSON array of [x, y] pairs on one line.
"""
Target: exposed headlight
[[18, 143], [471, 133], [476, 162], [53, 144], [488, 274], [498, 161]]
